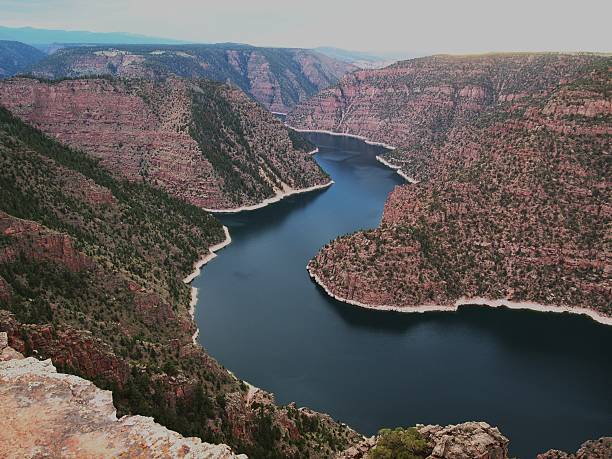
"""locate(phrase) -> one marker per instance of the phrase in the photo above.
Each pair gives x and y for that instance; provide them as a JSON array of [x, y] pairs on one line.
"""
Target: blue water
[[544, 379]]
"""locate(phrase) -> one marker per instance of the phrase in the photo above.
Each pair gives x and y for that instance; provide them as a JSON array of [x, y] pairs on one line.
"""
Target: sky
[[426, 26]]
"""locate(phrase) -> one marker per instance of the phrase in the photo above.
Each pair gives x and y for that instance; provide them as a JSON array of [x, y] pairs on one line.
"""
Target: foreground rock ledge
[[48, 414]]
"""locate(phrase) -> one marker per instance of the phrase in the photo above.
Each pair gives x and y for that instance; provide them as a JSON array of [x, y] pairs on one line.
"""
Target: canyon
[[104, 189], [204, 142], [91, 277], [278, 78], [38, 392], [513, 192]]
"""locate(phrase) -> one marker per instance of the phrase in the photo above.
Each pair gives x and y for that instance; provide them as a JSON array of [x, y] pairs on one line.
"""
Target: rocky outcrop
[[476, 440], [511, 205], [73, 418], [35, 242], [358, 451], [204, 142], [7, 352], [592, 449], [278, 78]]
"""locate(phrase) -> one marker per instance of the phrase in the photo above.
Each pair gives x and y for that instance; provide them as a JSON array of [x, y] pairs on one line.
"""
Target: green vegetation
[[138, 236], [300, 142], [217, 127], [400, 444]]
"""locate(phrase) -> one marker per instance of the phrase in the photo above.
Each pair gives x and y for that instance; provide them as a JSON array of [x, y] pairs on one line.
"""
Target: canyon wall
[[278, 78], [204, 142], [91, 277], [514, 192]]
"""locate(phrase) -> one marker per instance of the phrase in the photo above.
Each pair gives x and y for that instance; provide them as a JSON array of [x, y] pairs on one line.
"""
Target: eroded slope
[[201, 141]]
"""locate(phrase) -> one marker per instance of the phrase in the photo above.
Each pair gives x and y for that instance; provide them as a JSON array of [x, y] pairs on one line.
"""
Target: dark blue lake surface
[[544, 379]]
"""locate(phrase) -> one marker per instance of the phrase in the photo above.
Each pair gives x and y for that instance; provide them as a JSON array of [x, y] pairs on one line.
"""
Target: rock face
[[476, 440], [592, 449], [278, 78], [31, 240], [514, 188], [73, 418], [204, 142], [16, 57]]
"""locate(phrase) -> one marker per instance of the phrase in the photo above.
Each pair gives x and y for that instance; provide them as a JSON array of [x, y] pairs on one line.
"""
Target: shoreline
[[196, 272], [345, 134], [476, 301], [397, 169], [276, 198], [528, 305]]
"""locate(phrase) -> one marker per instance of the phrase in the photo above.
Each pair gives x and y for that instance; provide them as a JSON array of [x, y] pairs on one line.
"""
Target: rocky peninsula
[[513, 192]]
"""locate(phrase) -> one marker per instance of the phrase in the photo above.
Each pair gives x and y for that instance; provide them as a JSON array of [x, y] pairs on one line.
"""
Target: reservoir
[[544, 379]]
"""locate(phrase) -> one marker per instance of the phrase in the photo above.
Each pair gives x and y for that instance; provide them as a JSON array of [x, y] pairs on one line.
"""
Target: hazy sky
[[374, 25]]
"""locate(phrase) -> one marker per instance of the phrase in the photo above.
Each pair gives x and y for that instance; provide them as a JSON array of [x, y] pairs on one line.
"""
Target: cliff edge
[[74, 418]]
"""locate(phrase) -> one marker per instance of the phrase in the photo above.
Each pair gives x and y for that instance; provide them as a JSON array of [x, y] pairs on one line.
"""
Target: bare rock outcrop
[[592, 449], [477, 440], [474, 440], [74, 418]]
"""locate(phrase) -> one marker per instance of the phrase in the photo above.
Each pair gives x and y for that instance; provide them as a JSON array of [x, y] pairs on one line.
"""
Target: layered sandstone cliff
[[204, 142], [514, 192], [278, 78]]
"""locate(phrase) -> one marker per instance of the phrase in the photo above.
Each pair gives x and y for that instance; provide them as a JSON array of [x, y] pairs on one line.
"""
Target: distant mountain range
[[276, 77], [34, 36]]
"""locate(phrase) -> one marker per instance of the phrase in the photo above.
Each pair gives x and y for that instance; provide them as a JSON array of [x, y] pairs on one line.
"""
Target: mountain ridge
[[202, 141], [278, 78]]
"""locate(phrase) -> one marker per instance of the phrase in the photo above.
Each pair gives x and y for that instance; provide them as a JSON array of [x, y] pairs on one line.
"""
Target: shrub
[[400, 444]]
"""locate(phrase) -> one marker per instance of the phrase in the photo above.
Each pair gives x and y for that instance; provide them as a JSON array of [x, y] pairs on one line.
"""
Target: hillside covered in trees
[[91, 270]]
